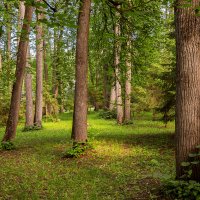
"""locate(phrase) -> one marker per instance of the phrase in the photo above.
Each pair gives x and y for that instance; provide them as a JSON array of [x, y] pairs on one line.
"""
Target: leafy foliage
[[107, 114], [7, 146], [78, 149]]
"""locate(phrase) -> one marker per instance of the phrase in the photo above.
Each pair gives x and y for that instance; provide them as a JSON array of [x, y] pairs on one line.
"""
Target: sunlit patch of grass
[[128, 161]]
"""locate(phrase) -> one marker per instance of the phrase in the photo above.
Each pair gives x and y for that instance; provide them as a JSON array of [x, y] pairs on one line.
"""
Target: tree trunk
[[117, 73], [55, 66], [127, 105], [188, 84], [112, 98], [79, 130], [29, 97], [46, 78], [19, 75], [39, 71], [105, 87]]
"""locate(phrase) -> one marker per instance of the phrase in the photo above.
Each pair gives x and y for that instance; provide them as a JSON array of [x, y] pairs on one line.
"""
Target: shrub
[[7, 146], [77, 150], [108, 114], [186, 188]]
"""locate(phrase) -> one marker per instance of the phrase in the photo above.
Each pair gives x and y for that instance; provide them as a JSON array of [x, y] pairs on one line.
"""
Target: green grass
[[127, 162]]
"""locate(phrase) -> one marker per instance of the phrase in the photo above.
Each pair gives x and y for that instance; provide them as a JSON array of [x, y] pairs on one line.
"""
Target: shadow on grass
[[148, 140]]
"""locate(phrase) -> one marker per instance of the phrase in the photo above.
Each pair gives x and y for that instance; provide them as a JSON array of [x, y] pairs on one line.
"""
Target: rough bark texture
[[117, 74], [188, 84], [29, 96], [39, 71], [19, 75], [112, 98], [127, 105], [79, 130]]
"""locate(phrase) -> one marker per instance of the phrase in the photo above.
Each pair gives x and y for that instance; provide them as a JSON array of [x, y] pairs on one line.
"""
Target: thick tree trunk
[[117, 74], [112, 98], [29, 97], [79, 130], [39, 71], [19, 76], [127, 105], [188, 84]]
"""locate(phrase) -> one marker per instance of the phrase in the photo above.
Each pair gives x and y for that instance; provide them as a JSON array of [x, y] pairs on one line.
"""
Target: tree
[[39, 69], [19, 76], [79, 130], [188, 84], [127, 105], [118, 88]]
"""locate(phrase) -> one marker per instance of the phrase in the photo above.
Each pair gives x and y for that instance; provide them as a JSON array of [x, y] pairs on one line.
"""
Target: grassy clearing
[[127, 163]]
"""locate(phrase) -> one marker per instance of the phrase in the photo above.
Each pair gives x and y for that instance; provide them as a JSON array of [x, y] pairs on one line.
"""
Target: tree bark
[[117, 73], [19, 75], [39, 71], [188, 84], [127, 105], [79, 130], [29, 97], [112, 98]]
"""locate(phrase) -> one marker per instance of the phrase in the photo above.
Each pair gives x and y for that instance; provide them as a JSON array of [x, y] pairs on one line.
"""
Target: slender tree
[[29, 93], [39, 70], [127, 105], [188, 84], [117, 50], [79, 130], [19, 76]]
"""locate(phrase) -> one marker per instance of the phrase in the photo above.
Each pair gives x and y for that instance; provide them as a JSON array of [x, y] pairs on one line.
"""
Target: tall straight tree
[[29, 90], [188, 84], [79, 130], [117, 70], [127, 105], [28, 76], [39, 69], [19, 76]]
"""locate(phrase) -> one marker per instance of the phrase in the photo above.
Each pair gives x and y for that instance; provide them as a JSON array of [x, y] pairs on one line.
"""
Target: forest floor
[[128, 162]]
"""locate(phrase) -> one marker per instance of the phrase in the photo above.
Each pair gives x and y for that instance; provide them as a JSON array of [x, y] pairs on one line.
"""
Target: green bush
[[187, 190], [108, 114], [7, 146], [77, 150]]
